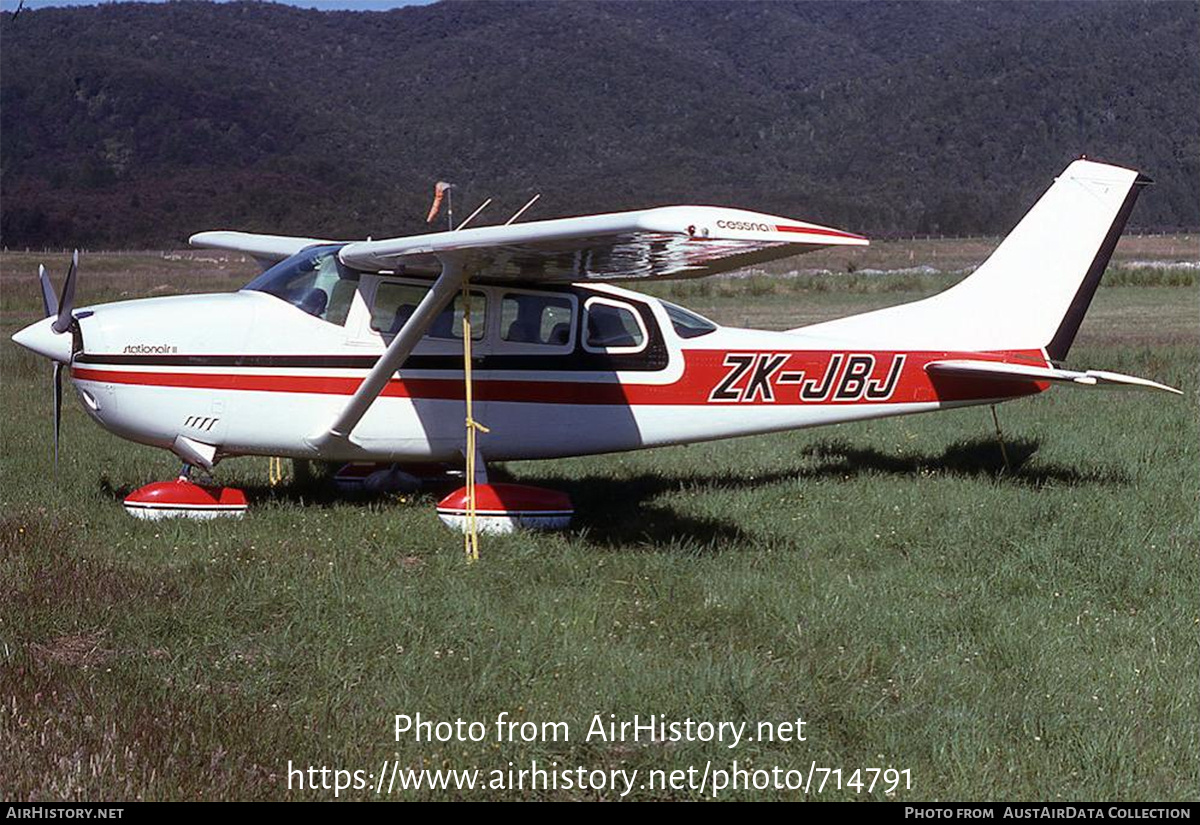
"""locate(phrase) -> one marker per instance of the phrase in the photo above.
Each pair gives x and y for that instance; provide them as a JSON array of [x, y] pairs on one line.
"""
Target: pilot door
[[421, 413]]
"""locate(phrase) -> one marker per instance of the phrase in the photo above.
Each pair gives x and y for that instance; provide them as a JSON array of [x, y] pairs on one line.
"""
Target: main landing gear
[[505, 508], [499, 508], [183, 498]]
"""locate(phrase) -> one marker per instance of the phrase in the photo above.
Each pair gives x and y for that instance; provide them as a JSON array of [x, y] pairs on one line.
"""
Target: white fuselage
[[249, 373]]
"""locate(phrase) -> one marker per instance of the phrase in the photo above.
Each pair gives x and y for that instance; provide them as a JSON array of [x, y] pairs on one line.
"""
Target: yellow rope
[[275, 470], [471, 537]]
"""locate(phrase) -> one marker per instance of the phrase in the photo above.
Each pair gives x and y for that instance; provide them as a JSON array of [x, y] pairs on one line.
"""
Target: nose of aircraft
[[40, 338]]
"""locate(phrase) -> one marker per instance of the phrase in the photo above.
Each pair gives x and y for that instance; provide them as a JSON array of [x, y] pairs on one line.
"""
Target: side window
[[613, 327], [339, 285], [526, 318], [686, 323], [448, 325], [395, 303], [341, 296]]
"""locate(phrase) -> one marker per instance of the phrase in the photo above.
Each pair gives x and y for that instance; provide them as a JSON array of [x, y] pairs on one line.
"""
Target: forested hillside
[[138, 124]]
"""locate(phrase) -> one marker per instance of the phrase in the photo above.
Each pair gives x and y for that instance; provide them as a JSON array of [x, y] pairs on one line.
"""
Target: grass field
[[1023, 634]]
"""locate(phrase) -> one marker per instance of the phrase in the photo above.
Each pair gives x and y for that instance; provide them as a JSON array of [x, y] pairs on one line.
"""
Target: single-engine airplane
[[354, 351]]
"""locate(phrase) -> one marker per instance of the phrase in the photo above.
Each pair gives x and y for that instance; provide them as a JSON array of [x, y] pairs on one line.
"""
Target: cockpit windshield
[[313, 280], [687, 324]]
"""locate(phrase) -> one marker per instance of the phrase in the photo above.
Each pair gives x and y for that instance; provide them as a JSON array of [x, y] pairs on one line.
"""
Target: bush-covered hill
[[137, 124]]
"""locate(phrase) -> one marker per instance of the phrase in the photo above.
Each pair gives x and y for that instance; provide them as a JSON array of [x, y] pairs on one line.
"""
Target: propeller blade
[[49, 299], [57, 408], [68, 297]]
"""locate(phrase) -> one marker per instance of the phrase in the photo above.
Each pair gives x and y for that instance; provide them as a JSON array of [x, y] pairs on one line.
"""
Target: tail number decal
[[762, 368], [850, 377]]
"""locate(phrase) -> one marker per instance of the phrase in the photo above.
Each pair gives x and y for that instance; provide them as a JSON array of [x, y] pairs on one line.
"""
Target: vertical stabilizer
[[1034, 289]]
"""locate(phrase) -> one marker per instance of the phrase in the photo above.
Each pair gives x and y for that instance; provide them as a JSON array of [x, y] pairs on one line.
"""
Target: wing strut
[[397, 352]]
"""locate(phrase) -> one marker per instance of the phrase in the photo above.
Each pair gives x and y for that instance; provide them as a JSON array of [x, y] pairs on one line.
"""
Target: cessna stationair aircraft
[[354, 351]]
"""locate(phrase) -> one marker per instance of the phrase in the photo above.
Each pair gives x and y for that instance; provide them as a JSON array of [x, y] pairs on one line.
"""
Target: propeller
[[63, 322], [49, 299], [53, 306]]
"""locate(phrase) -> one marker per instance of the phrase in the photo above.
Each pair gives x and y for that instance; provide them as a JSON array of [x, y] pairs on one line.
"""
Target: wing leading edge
[[667, 242]]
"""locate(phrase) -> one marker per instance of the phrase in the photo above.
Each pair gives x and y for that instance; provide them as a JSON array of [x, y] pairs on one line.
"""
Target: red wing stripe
[[817, 230]]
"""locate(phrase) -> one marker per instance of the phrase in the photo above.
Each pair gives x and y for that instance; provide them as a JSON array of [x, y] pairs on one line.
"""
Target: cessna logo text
[[150, 349], [763, 376], [747, 225]]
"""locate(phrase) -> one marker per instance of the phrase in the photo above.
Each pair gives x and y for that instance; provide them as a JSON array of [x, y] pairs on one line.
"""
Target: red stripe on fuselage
[[704, 370]]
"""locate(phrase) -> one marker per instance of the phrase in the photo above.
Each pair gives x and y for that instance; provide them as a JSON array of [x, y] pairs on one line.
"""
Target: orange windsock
[[439, 192]]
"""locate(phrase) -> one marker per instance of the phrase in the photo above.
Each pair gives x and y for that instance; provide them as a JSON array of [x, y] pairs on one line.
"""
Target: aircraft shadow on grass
[[977, 458], [623, 512]]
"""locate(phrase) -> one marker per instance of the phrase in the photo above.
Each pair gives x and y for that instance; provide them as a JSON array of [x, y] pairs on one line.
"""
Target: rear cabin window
[[535, 319], [686, 323], [613, 326], [395, 303]]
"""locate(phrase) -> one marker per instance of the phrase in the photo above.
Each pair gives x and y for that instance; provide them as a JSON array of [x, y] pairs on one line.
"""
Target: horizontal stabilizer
[[1002, 371]]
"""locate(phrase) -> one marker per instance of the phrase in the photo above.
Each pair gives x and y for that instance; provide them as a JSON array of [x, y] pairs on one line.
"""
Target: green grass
[[1023, 634]]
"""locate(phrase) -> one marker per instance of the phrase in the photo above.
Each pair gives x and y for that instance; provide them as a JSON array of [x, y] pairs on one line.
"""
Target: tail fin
[[1034, 289]]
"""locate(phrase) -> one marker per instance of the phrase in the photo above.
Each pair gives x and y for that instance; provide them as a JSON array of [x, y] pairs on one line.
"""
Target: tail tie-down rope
[[471, 536]]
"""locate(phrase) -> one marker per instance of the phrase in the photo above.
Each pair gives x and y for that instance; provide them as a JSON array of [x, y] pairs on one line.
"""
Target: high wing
[[266, 249], [1000, 371], [666, 242]]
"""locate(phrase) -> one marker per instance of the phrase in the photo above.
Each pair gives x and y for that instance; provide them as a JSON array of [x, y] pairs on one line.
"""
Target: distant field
[[917, 265], [956, 254], [1024, 634]]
